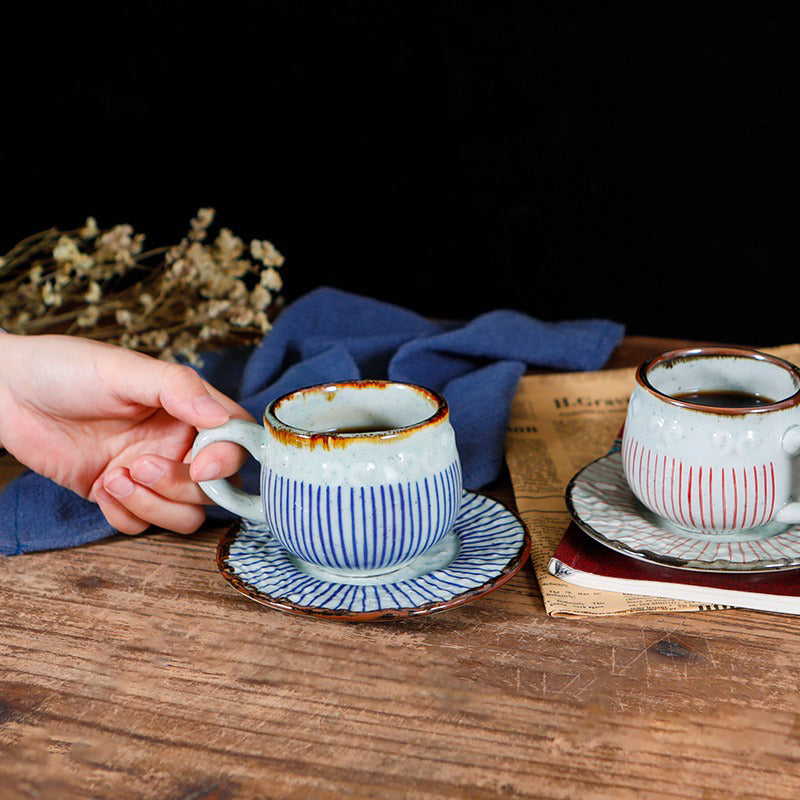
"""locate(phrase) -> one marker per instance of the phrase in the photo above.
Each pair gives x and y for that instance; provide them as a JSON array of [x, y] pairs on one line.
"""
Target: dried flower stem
[[168, 301]]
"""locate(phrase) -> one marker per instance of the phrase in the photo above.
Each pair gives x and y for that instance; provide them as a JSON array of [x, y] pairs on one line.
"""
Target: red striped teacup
[[710, 440]]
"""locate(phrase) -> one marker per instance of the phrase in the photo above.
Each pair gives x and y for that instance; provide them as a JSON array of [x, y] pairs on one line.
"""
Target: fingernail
[[209, 408], [206, 472], [118, 484], [146, 472]]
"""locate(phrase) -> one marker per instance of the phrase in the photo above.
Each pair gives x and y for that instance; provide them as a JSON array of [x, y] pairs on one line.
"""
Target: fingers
[[117, 515], [159, 491], [130, 507], [172, 479], [217, 460]]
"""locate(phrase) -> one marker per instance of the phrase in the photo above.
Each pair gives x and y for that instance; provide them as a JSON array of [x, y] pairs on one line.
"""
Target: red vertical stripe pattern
[[712, 499]]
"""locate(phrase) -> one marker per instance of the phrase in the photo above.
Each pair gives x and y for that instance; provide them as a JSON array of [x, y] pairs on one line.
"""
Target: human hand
[[114, 426]]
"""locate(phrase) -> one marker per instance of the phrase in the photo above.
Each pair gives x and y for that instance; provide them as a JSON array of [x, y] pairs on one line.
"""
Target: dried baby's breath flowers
[[170, 302]]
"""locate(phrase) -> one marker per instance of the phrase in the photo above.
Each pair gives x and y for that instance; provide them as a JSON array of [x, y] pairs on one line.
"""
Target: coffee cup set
[[361, 513], [706, 475]]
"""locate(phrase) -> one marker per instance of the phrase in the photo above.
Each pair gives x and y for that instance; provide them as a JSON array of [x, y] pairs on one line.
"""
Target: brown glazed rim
[[290, 434], [384, 615], [730, 351]]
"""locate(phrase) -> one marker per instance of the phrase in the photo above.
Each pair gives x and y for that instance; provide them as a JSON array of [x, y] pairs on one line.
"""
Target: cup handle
[[253, 438], [790, 441]]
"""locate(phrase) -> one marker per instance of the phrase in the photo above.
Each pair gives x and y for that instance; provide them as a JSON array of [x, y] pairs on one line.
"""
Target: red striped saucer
[[603, 506]]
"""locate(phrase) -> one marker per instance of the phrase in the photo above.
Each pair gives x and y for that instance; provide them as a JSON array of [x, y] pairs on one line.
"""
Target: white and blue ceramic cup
[[724, 471], [357, 477]]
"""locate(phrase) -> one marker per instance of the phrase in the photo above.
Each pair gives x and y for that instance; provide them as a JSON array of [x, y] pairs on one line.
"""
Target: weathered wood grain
[[131, 669]]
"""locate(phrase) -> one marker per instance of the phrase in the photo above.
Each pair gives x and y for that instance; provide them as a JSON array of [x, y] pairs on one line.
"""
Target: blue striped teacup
[[357, 477]]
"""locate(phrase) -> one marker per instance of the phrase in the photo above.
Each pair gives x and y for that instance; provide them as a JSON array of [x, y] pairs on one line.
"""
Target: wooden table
[[131, 669]]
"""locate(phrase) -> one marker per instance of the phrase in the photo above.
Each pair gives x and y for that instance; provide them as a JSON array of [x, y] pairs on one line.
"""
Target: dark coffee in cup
[[355, 429], [724, 398]]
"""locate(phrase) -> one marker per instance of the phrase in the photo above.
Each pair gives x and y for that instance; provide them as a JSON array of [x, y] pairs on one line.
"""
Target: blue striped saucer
[[486, 546]]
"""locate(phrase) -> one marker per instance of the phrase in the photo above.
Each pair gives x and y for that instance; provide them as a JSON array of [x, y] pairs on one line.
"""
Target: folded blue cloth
[[332, 335]]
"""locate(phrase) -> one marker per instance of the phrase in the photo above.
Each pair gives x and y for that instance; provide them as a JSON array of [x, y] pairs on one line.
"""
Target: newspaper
[[559, 423]]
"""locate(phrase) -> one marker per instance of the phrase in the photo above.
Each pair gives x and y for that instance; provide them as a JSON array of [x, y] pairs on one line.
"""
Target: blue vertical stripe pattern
[[368, 528], [489, 536]]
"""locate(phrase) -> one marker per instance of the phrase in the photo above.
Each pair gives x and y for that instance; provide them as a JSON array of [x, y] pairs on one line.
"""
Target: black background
[[563, 160]]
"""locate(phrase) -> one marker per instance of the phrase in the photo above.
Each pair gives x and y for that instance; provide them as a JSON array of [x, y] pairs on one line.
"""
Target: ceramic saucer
[[603, 505], [486, 547]]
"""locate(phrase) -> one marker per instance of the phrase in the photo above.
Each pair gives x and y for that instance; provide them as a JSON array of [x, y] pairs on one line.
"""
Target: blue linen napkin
[[332, 335]]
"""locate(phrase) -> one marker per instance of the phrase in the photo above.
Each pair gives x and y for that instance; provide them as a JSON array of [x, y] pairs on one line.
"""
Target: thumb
[[178, 389], [186, 396]]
